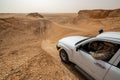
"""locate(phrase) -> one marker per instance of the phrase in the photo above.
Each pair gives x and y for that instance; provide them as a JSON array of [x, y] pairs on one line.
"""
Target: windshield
[[81, 41]]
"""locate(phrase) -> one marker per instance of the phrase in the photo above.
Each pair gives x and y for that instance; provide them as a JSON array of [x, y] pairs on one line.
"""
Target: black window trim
[[118, 65]]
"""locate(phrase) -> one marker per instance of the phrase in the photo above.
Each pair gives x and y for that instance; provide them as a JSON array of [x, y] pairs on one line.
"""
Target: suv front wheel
[[63, 56]]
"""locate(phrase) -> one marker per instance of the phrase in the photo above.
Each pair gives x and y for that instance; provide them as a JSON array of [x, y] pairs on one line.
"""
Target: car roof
[[115, 36]]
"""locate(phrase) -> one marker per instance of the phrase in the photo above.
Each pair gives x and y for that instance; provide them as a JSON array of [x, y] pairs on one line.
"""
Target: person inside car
[[103, 51]]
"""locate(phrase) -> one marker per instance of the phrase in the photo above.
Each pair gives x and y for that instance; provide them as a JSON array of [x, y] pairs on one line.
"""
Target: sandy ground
[[28, 44]]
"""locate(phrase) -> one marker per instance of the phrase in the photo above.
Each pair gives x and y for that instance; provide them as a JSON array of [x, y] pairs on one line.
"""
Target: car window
[[101, 50]]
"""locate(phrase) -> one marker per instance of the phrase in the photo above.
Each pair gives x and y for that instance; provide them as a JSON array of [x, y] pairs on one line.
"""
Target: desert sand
[[28, 42]]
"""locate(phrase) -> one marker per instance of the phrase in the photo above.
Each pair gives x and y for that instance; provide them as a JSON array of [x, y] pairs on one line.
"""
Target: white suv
[[97, 58]]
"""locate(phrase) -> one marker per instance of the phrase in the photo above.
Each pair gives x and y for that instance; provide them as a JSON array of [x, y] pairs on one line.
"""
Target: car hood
[[72, 40]]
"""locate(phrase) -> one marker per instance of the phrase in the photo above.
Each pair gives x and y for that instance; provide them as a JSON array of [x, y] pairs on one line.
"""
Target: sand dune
[[27, 44]]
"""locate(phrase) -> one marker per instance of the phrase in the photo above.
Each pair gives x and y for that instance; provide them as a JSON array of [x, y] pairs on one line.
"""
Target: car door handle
[[100, 65]]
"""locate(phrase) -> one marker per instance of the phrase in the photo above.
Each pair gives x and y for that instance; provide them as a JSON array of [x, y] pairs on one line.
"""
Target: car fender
[[67, 49]]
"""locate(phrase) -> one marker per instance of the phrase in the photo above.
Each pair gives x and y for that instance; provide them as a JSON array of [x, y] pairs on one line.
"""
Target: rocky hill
[[98, 14], [36, 15]]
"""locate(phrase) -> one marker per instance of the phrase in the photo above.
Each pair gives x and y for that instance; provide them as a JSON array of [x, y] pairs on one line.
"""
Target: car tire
[[64, 56]]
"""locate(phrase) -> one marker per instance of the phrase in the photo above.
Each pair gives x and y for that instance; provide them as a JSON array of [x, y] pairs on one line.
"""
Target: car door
[[81, 62], [94, 67], [114, 71]]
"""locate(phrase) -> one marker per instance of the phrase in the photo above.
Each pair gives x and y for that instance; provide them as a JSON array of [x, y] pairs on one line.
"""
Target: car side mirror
[[77, 48]]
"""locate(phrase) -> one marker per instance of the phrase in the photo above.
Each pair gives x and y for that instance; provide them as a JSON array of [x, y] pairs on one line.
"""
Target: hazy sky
[[57, 6]]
